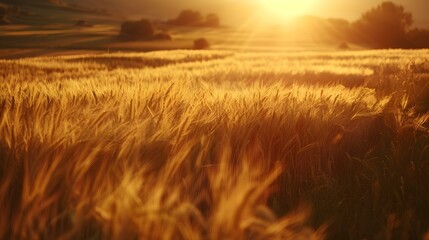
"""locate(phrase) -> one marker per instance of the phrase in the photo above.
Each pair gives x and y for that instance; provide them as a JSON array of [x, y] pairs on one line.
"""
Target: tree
[[419, 38], [212, 20], [189, 17], [196, 19], [384, 26]]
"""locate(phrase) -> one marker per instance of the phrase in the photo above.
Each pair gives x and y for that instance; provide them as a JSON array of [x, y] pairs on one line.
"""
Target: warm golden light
[[285, 9], [214, 119]]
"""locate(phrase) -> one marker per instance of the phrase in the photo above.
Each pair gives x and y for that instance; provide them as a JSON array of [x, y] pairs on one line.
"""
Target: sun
[[286, 9]]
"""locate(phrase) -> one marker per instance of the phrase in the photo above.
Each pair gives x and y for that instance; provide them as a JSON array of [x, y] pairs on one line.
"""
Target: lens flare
[[286, 9]]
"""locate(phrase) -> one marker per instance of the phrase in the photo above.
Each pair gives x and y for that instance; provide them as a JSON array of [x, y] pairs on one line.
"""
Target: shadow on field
[[115, 62]]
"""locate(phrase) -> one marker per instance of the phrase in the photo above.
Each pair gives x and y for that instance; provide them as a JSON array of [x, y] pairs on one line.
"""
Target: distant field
[[215, 145], [53, 31], [65, 39]]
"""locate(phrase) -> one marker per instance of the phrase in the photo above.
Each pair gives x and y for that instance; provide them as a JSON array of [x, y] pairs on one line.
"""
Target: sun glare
[[286, 9]]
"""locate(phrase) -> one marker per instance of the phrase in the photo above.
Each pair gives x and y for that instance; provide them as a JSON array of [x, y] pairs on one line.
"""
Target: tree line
[[387, 25]]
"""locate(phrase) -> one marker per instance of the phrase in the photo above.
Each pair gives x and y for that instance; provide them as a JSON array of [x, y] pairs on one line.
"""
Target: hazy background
[[232, 11]]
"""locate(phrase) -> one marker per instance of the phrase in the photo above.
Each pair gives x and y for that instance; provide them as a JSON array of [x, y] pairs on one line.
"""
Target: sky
[[233, 10]]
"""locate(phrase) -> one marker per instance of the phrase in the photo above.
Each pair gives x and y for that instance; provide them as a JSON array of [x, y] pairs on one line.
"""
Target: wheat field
[[215, 145]]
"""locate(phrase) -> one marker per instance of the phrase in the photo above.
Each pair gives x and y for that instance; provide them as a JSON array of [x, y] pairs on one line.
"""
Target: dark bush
[[162, 37], [134, 30], [201, 43], [343, 46], [81, 23]]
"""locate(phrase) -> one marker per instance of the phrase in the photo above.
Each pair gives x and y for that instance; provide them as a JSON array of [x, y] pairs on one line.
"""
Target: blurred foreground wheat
[[215, 145]]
